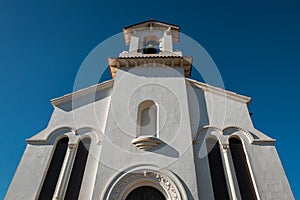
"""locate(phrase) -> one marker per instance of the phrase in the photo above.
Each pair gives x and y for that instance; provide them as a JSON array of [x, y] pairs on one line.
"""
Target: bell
[[150, 49]]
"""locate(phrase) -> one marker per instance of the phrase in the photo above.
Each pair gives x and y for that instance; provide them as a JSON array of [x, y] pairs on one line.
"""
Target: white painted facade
[[171, 158]]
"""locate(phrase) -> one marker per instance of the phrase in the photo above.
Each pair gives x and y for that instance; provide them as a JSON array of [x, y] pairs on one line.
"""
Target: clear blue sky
[[255, 44]]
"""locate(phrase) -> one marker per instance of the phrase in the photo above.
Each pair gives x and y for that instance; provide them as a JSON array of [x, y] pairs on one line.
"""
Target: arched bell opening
[[151, 45]]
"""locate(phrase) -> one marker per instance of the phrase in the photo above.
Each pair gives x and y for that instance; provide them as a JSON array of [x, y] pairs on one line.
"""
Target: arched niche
[[147, 136], [147, 119]]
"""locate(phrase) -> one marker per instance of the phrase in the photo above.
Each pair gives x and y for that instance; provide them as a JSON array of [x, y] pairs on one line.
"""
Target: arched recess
[[147, 119], [200, 139], [163, 181], [150, 44], [234, 130], [200, 150], [216, 169], [75, 181], [145, 193], [92, 162], [49, 136], [242, 170], [53, 171]]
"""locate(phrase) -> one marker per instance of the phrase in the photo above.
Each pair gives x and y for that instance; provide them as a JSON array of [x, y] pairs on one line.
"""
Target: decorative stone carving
[[249, 136], [136, 179], [225, 146], [223, 132], [72, 146]]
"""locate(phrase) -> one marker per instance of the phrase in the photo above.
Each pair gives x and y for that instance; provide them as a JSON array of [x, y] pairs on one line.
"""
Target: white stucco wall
[[108, 114], [228, 117], [30, 172], [166, 87]]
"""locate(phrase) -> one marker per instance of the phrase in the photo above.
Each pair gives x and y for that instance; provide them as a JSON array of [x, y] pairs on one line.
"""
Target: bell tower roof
[[129, 30]]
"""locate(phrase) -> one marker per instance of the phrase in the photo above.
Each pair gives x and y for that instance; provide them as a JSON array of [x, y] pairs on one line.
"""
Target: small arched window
[[54, 169], [216, 170], [241, 169], [147, 118], [78, 169]]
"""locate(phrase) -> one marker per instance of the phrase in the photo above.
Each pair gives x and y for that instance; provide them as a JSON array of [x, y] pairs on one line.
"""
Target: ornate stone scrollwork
[[248, 135], [160, 181], [223, 132]]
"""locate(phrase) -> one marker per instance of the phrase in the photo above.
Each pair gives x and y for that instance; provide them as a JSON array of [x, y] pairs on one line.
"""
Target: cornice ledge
[[82, 92], [264, 141], [222, 92], [43, 137]]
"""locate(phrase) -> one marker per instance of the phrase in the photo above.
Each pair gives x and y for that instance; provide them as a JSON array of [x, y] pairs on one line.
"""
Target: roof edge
[[221, 92], [153, 21], [82, 92]]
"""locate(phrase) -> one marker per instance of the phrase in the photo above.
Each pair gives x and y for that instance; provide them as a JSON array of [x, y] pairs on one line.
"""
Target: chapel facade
[[150, 132]]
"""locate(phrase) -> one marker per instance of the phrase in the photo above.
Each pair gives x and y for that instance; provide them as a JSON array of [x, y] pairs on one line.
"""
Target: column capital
[[225, 147], [72, 146]]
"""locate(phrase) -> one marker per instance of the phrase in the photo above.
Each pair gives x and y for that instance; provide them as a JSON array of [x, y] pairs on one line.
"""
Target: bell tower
[[151, 37], [151, 42]]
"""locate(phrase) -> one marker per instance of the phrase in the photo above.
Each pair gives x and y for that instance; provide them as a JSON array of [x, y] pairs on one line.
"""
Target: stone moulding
[[171, 61], [48, 136], [223, 132], [166, 183], [83, 92], [219, 91], [146, 142]]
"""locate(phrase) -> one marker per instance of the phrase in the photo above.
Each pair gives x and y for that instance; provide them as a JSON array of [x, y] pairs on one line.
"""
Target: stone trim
[[245, 132], [46, 139], [171, 189], [89, 90], [219, 91], [48, 135], [249, 136], [171, 61]]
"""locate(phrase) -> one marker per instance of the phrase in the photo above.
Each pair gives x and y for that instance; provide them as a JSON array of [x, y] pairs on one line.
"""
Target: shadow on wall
[[197, 109], [166, 150]]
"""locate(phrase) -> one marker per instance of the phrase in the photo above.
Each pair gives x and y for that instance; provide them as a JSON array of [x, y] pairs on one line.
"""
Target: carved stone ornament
[[225, 146], [172, 190], [72, 146]]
